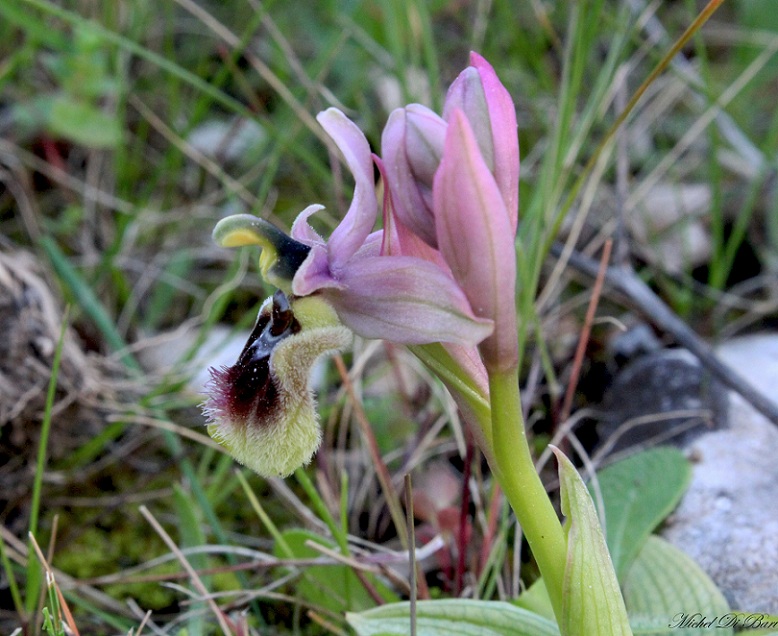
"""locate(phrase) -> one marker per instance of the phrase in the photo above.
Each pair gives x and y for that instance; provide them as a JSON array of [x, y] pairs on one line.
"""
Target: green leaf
[[460, 617], [191, 532], [664, 587], [83, 123], [592, 601], [536, 599], [37, 31], [638, 493]]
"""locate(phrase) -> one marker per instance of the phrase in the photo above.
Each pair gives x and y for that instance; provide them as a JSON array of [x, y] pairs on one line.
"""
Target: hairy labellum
[[261, 409], [246, 392]]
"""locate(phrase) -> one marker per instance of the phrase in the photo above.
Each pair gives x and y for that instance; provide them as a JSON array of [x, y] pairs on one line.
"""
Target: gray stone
[[637, 340], [728, 519], [660, 397]]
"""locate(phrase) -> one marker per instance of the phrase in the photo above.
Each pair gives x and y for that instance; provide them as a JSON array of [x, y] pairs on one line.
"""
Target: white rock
[[222, 348], [669, 220], [227, 140], [728, 520]]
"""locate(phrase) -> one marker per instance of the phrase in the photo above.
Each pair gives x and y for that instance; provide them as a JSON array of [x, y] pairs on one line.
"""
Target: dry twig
[[639, 296]]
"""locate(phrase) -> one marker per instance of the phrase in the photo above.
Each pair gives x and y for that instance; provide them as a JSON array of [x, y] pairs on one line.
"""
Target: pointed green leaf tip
[[281, 255], [592, 601]]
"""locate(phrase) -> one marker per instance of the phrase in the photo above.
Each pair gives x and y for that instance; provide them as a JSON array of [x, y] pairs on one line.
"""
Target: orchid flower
[[401, 298], [261, 408], [438, 277]]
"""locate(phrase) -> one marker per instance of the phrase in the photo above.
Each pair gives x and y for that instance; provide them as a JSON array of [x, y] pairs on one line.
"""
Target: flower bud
[[412, 145], [477, 240], [490, 111]]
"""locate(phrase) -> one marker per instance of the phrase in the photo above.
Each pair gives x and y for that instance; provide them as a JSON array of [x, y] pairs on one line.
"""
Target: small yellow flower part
[[262, 409], [281, 255]]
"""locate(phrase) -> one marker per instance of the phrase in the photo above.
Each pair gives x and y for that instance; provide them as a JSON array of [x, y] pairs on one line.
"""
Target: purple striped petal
[[407, 301]]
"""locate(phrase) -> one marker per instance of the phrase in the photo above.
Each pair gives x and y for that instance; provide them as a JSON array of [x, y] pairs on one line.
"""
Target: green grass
[[98, 107]]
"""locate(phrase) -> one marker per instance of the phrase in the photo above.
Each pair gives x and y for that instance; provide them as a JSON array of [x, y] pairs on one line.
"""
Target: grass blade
[[34, 571]]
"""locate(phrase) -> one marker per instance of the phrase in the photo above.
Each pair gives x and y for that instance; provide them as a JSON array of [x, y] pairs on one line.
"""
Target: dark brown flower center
[[248, 391]]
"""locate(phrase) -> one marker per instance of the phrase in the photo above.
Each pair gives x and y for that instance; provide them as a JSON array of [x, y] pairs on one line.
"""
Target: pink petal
[[314, 273], [502, 116], [476, 238], [360, 218], [405, 300], [401, 180], [398, 240], [371, 247], [302, 230], [467, 94]]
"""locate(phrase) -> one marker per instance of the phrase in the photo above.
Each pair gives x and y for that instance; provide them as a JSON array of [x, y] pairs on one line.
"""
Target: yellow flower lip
[[281, 255]]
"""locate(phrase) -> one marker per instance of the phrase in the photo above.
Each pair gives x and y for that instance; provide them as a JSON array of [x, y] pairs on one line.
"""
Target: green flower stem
[[516, 473]]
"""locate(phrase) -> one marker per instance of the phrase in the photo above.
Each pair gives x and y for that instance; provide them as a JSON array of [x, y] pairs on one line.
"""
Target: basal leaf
[[83, 123], [668, 593], [452, 617], [638, 493], [536, 599]]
